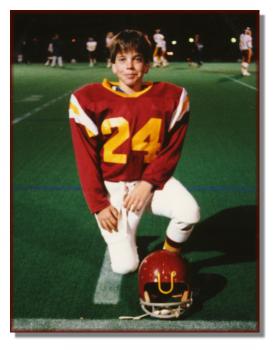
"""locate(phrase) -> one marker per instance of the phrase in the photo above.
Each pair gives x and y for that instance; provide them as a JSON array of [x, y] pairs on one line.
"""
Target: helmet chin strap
[[163, 313], [133, 317]]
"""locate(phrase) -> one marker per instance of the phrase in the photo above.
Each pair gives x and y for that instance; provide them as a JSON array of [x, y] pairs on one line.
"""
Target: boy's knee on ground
[[124, 257], [125, 267]]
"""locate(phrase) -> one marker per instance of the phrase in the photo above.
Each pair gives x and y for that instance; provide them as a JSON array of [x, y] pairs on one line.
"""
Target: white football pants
[[54, 61], [173, 201]]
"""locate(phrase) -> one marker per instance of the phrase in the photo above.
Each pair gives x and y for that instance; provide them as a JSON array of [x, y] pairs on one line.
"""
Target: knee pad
[[124, 256], [179, 231], [186, 215], [124, 269]]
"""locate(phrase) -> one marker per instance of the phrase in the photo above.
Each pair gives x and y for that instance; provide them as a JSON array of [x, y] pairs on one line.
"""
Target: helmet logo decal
[[172, 275]]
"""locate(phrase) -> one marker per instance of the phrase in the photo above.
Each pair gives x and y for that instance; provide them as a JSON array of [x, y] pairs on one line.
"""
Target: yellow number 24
[[146, 139]]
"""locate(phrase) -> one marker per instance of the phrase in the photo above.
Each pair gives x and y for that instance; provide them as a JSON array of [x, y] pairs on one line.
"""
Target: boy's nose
[[130, 64]]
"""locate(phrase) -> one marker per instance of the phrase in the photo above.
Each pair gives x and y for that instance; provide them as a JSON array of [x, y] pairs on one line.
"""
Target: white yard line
[[40, 108], [108, 285], [25, 324], [31, 98], [241, 83]]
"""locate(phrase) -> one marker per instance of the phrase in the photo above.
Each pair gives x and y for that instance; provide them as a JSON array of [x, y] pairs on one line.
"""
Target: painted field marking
[[108, 285], [241, 83], [25, 324], [32, 98], [40, 108]]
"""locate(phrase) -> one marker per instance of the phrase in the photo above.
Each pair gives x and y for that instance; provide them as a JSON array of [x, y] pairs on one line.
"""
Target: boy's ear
[[147, 67]]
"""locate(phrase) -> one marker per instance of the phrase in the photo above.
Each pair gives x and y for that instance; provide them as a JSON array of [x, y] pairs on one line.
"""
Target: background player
[[127, 138], [91, 45], [245, 46], [108, 42], [159, 55], [57, 51], [49, 54], [197, 51]]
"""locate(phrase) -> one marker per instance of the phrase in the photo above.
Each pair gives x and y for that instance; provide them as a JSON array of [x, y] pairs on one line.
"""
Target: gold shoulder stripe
[[74, 108], [89, 132], [80, 117]]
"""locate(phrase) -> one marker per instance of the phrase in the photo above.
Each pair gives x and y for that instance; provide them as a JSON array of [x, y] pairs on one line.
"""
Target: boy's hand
[[138, 197], [108, 218]]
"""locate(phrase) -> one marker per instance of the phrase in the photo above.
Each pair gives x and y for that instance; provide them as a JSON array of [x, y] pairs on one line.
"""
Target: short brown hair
[[130, 39]]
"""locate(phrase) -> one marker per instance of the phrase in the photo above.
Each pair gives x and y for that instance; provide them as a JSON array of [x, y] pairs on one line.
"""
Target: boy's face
[[129, 67]]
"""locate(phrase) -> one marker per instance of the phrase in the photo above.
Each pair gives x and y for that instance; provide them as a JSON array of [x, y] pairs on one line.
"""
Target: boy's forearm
[[89, 170]]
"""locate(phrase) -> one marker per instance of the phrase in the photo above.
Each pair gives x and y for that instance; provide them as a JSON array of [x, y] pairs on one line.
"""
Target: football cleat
[[163, 285]]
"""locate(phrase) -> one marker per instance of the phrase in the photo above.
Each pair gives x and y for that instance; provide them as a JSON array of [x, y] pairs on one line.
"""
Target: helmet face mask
[[164, 291]]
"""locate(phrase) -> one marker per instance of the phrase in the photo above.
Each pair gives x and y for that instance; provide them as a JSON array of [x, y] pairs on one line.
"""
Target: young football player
[[108, 42], [245, 45], [159, 54], [197, 50], [91, 45], [57, 51], [127, 138], [49, 54]]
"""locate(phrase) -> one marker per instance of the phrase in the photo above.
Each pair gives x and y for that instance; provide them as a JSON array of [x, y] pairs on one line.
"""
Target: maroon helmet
[[163, 285]]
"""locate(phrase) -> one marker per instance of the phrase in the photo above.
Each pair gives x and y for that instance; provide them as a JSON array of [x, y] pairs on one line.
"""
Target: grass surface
[[57, 249]]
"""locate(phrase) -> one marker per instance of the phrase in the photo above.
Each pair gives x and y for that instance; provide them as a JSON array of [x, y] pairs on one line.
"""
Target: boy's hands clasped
[[133, 201]]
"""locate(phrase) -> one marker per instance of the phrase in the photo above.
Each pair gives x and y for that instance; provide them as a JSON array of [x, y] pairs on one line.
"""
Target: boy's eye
[[121, 59]]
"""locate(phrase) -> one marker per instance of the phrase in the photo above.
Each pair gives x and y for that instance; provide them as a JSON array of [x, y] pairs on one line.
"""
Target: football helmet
[[163, 285]]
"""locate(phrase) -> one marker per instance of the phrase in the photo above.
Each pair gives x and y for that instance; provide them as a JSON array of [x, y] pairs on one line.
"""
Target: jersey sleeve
[[85, 143], [162, 167]]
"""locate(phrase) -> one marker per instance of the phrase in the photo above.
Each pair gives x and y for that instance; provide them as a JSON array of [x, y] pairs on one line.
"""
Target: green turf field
[[60, 272]]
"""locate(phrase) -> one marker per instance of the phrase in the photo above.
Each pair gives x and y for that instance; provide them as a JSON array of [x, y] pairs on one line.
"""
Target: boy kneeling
[[127, 139]]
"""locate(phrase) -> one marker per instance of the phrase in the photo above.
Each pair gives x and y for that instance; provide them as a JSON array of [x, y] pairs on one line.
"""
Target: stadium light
[[170, 53], [191, 40], [233, 40], [173, 42]]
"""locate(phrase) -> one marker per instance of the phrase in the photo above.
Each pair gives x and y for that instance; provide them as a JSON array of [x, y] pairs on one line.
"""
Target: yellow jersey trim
[[74, 108], [108, 85]]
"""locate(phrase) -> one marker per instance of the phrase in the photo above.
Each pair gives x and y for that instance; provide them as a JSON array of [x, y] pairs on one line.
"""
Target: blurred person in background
[[57, 51], [91, 45], [245, 46], [108, 42], [49, 54], [197, 51], [159, 55]]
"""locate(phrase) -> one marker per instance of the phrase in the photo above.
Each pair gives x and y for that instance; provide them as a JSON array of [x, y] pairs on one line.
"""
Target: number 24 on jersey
[[146, 139]]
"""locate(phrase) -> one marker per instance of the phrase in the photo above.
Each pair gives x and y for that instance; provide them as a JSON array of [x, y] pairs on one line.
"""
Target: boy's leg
[[175, 202], [60, 61], [54, 61], [245, 63], [122, 244]]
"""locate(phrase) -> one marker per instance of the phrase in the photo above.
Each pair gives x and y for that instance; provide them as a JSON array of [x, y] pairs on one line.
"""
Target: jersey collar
[[109, 86]]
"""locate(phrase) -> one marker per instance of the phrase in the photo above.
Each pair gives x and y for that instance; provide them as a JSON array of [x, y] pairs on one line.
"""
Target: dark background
[[216, 28]]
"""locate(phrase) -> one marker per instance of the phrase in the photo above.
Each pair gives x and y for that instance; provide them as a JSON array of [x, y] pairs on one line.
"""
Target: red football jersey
[[120, 137]]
